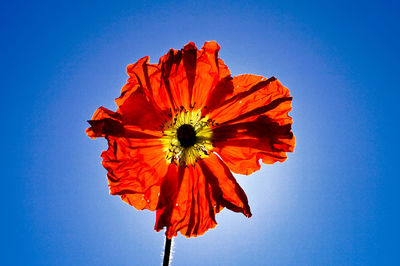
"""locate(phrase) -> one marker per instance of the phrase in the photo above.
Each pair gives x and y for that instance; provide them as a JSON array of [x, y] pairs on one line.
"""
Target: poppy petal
[[219, 176], [241, 145], [188, 75], [191, 196], [135, 170], [182, 79], [137, 108], [210, 70], [253, 96], [108, 123], [104, 122], [148, 77], [186, 203]]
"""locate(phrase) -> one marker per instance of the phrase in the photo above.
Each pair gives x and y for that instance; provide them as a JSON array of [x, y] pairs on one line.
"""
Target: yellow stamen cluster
[[179, 152]]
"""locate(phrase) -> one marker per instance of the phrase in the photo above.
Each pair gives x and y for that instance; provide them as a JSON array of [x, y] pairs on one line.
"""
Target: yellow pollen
[[187, 137]]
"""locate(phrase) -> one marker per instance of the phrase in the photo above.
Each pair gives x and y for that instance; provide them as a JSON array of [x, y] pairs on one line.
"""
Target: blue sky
[[334, 201]]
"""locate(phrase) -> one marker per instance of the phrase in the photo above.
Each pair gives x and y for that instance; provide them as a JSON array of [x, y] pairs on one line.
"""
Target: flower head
[[182, 127]]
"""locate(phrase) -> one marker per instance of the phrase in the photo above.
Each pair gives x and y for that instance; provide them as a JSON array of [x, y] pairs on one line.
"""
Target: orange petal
[[241, 145], [148, 77], [104, 122], [186, 204], [182, 79], [253, 96], [219, 176], [190, 197], [137, 108], [108, 123], [189, 75], [210, 70], [135, 170]]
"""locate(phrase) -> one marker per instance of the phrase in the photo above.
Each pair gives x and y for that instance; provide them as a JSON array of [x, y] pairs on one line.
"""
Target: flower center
[[186, 135]]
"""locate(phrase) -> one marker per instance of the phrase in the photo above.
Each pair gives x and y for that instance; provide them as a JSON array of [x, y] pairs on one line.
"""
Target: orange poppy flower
[[182, 127]]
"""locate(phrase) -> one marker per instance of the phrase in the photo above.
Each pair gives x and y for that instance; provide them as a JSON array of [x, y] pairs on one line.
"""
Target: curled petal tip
[[211, 46], [190, 46]]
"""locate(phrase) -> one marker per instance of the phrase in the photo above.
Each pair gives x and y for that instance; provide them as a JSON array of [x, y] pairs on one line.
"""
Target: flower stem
[[167, 251]]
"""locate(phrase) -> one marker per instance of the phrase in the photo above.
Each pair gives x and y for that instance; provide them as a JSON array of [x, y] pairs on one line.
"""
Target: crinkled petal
[[189, 75], [220, 177], [108, 123], [182, 78], [191, 196], [253, 96], [186, 203], [137, 108], [210, 70], [241, 145], [105, 122], [135, 170], [148, 77]]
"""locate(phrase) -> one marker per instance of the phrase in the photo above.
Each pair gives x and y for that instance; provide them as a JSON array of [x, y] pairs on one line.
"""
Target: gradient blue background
[[333, 202]]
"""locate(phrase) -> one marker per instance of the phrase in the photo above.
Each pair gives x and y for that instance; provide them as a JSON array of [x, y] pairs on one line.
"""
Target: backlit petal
[[190, 74], [186, 203], [253, 96], [105, 122], [182, 78], [135, 170], [108, 123], [241, 145], [191, 196], [220, 177], [137, 108], [148, 77]]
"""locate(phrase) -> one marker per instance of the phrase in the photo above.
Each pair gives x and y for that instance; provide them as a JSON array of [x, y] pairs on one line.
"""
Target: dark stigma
[[186, 135]]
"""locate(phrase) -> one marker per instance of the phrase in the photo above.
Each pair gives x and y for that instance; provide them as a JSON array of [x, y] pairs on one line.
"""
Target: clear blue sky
[[333, 202]]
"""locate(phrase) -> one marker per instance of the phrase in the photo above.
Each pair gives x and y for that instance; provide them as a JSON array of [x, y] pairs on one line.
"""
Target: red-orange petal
[[219, 176], [148, 77], [137, 108], [108, 123], [186, 203], [190, 197], [253, 96], [135, 170], [210, 70], [182, 78], [241, 145], [104, 122], [189, 75]]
